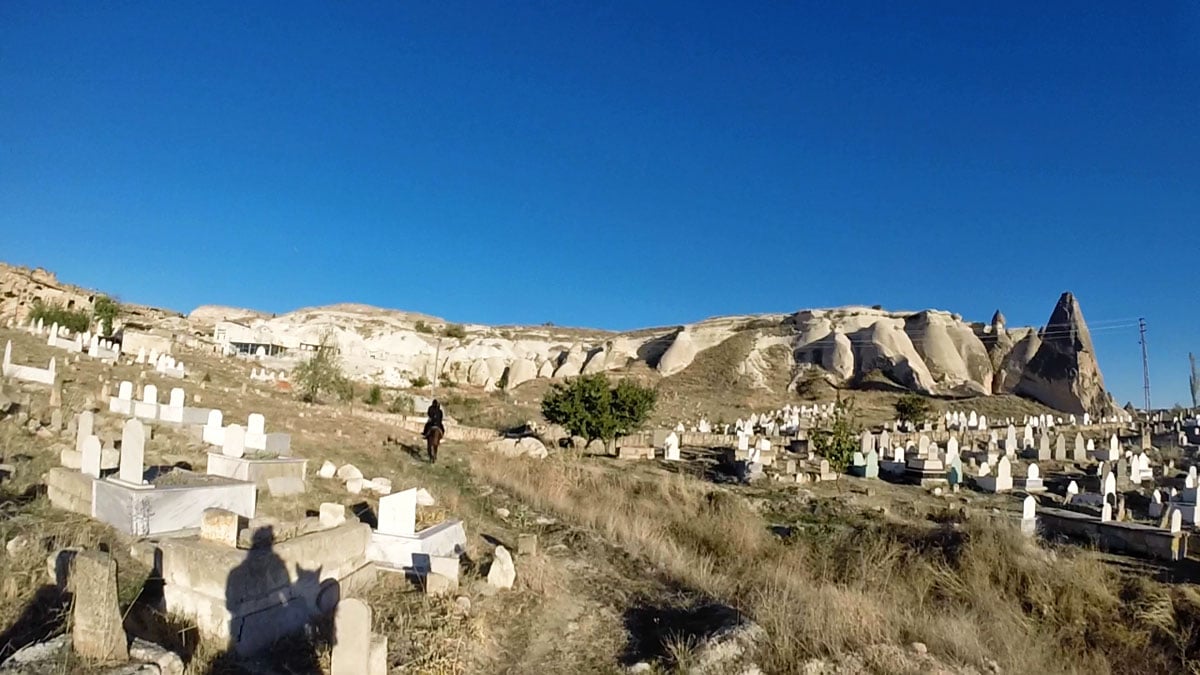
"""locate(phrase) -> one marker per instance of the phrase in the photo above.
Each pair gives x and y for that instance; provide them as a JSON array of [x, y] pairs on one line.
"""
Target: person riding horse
[[435, 429], [434, 419]]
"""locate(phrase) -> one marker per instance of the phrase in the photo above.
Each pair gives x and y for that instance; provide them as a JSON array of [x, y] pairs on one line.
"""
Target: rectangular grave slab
[[448, 538], [70, 490], [120, 406], [172, 504], [251, 598], [257, 471]]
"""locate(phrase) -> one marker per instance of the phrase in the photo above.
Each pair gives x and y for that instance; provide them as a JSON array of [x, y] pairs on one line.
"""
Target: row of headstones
[[235, 439], [148, 407], [131, 467], [265, 375]]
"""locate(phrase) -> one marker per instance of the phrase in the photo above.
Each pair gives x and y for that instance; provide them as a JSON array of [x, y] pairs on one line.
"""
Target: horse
[[432, 440]]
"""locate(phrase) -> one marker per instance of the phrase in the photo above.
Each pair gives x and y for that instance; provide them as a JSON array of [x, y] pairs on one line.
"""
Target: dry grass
[[425, 634], [973, 592]]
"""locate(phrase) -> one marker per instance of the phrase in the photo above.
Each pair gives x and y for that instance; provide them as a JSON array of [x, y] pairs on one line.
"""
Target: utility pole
[[1145, 363], [437, 356]]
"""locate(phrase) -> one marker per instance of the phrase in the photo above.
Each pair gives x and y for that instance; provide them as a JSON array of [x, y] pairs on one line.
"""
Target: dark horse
[[433, 438]]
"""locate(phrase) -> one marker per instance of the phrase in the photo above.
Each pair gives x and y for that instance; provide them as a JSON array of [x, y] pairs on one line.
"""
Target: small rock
[[332, 515], [328, 470], [937, 492], [543, 520], [424, 498], [17, 544], [503, 572], [349, 472], [436, 584], [920, 648], [527, 544], [354, 485], [640, 667], [502, 513], [168, 662], [462, 604]]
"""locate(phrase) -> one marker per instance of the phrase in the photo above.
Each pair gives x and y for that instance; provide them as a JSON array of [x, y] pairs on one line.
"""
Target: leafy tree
[[840, 441], [454, 331], [75, 320], [106, 310], [913, 408], [321, 375], [374, 395], [589, 406]]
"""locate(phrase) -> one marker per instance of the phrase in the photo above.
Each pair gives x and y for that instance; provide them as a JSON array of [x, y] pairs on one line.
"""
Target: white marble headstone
[[90, 461], [235, 441], [133, 452], [398, 513]]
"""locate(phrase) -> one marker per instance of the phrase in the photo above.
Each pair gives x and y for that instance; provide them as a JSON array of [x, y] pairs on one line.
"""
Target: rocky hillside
[[931, 352]]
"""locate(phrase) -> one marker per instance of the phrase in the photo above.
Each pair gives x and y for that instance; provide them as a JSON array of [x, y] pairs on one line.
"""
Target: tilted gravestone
[[96, 630]]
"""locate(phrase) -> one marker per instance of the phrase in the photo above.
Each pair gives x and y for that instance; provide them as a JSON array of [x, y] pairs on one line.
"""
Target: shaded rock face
[[679, 355], [1063, 372]]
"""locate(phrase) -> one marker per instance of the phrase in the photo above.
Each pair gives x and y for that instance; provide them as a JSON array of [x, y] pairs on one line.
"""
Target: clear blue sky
[[617, 164]]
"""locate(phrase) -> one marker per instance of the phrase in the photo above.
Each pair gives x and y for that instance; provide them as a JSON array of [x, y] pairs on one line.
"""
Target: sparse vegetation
[[374, 395], [321, 375], [913, 408], [106, 310], [854, 587], [50, 313], [840, 441], [422, 327], [454, 330], [590, 407], [402, 404], [419, 382]]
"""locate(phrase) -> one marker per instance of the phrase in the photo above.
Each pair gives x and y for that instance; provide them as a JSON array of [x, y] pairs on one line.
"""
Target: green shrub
[[75, 320], [840, 441], [589, 406], [322, 375], [403, 404], [454, 330], [913, 408], [422, 327], [207, 377], [420, 382], [374, 395]]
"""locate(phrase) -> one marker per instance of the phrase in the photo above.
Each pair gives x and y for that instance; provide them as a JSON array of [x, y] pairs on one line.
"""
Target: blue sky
[[617, 164]]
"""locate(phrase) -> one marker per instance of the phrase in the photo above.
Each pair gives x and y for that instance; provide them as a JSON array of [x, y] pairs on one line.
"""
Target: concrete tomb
[[1001, 481], [147, 408], [397, 544], [1033, 479], [26, 373], [671, 447], [122, 404]]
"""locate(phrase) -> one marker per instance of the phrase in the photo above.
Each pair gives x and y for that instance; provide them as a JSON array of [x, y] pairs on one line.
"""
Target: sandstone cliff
[[930, 351]]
